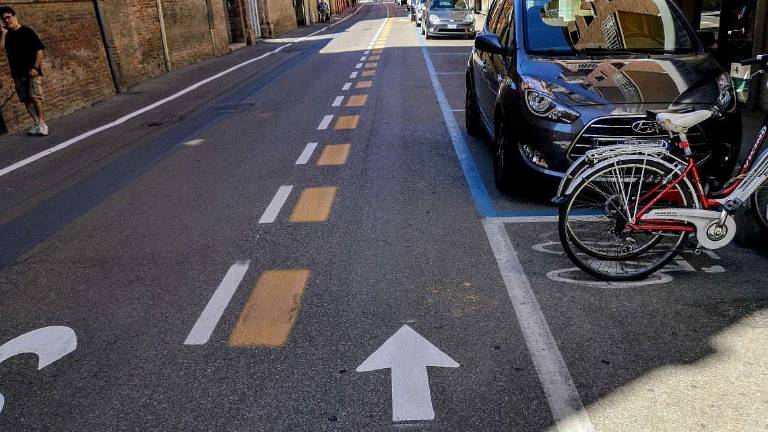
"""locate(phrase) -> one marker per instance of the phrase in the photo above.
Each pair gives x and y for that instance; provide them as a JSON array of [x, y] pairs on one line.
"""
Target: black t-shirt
[[22, 46]]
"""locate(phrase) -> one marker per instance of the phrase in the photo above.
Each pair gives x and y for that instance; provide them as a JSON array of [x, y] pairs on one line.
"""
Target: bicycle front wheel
[[594, 221], [759, 201]]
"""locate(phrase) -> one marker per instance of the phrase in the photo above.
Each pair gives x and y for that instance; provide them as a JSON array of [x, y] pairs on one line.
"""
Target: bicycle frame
[[730, 199]]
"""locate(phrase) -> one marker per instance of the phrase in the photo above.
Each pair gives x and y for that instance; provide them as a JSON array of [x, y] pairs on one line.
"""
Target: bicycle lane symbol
[[571, 274], [50, 344]]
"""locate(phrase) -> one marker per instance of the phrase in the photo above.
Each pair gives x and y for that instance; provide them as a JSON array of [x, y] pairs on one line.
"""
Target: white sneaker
[[34, 131], [43, 130]]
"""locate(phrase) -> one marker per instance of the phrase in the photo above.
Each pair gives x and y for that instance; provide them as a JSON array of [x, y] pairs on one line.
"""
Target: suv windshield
[[607, 27], [448, 4]]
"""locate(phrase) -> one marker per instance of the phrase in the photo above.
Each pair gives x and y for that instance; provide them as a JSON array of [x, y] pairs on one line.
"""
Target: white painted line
[[49, 344], [562, 396], [22, 163], [367, 52], [325, 122], [457, 110], [337, 101], [213, 311], [525, 219], [358, 66], [306, 154], [363, 58], [353, 75], [346, 86], [274, 207]]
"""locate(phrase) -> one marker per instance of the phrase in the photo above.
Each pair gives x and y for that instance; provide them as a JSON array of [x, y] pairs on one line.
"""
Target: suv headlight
[[542, 103], [469, 18], [726, 101], [434, 19]]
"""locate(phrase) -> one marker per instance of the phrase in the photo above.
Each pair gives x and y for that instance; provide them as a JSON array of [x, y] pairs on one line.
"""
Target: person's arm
[[38, 63], [2, 38]]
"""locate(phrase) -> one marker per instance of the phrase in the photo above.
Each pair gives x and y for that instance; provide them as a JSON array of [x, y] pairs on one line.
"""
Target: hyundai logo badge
[[645, 127]]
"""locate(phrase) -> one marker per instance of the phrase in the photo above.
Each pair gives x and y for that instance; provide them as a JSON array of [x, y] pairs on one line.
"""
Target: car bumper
[[550, 148], [448, 29]]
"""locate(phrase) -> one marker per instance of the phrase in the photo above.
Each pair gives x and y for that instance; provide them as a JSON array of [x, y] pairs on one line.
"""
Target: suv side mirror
[[707, 38], [490, 43]]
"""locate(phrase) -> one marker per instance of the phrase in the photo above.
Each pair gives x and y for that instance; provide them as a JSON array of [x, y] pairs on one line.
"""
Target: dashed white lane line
[[325, 122], [358, 66], [337, 101], [346, 86], [363, 58], [353, 75], [564, 400], [306, 154], [24, 162], [367, 52], [274, 207], [206, 323]]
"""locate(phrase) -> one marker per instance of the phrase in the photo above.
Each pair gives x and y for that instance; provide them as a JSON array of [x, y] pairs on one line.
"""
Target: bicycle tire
[[596, 262], [759, 204]]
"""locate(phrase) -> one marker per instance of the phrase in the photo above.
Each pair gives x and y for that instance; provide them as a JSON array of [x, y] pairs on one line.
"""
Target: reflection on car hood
[[449, 14], [599, 81]]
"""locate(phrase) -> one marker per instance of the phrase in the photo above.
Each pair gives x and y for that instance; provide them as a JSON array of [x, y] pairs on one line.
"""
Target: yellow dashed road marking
[[369, 73], [334, 154], [314, 205], [364, 84], [357, 100], [371, 65], [347, 122], [376, 51], [374, 58], [271, 310]]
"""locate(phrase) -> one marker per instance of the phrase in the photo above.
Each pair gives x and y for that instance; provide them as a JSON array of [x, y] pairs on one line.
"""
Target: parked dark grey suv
[[550, 79]]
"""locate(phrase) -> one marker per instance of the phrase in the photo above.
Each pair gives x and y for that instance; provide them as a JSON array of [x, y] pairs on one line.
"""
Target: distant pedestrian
[[324, 10], [25, 57]]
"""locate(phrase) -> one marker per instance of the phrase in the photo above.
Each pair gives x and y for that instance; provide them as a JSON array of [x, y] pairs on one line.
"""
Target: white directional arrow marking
[[48, 343], [408, 354]]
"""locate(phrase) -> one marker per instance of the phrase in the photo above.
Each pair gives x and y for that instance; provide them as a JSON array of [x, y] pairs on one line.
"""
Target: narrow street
[[238, 257]]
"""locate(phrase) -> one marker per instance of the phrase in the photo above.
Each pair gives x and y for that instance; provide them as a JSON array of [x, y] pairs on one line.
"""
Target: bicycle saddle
[[680, 123]]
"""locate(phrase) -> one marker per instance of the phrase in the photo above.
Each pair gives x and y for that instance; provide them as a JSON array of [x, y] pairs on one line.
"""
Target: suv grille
[[615, 130]]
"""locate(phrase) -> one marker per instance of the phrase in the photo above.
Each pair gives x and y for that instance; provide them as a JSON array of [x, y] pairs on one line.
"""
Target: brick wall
[[133, 27], [276, 16], [187, 30], [75, 69]]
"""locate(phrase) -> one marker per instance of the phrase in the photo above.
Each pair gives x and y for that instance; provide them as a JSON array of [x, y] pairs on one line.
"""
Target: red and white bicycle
[[627, 210]]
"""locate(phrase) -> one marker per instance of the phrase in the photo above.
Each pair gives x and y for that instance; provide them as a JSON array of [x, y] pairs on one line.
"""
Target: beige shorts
[[29, 88]]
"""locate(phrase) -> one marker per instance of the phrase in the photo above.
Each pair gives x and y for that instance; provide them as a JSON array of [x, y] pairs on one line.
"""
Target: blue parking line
[[480, 195]]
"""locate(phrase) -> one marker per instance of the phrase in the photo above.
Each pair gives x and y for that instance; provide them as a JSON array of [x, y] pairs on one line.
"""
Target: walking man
[[25, 57]]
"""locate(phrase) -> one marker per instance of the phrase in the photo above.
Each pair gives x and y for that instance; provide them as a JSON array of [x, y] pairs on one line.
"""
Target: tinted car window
[[449, 4], [572, 26]]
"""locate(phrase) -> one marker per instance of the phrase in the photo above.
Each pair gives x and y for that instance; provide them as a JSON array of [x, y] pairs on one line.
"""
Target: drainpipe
[[110, 56], [209, 9], [163, 35]]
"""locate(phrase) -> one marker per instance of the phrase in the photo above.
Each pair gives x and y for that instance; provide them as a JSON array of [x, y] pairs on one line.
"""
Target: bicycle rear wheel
[[593, 220], [759, 201]]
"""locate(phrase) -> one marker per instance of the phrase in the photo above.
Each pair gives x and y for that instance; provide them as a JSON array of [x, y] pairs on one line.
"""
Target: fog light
[[534, 156]]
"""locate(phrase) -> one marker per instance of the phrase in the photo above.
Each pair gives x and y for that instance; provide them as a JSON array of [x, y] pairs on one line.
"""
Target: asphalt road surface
[[312, 242]]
